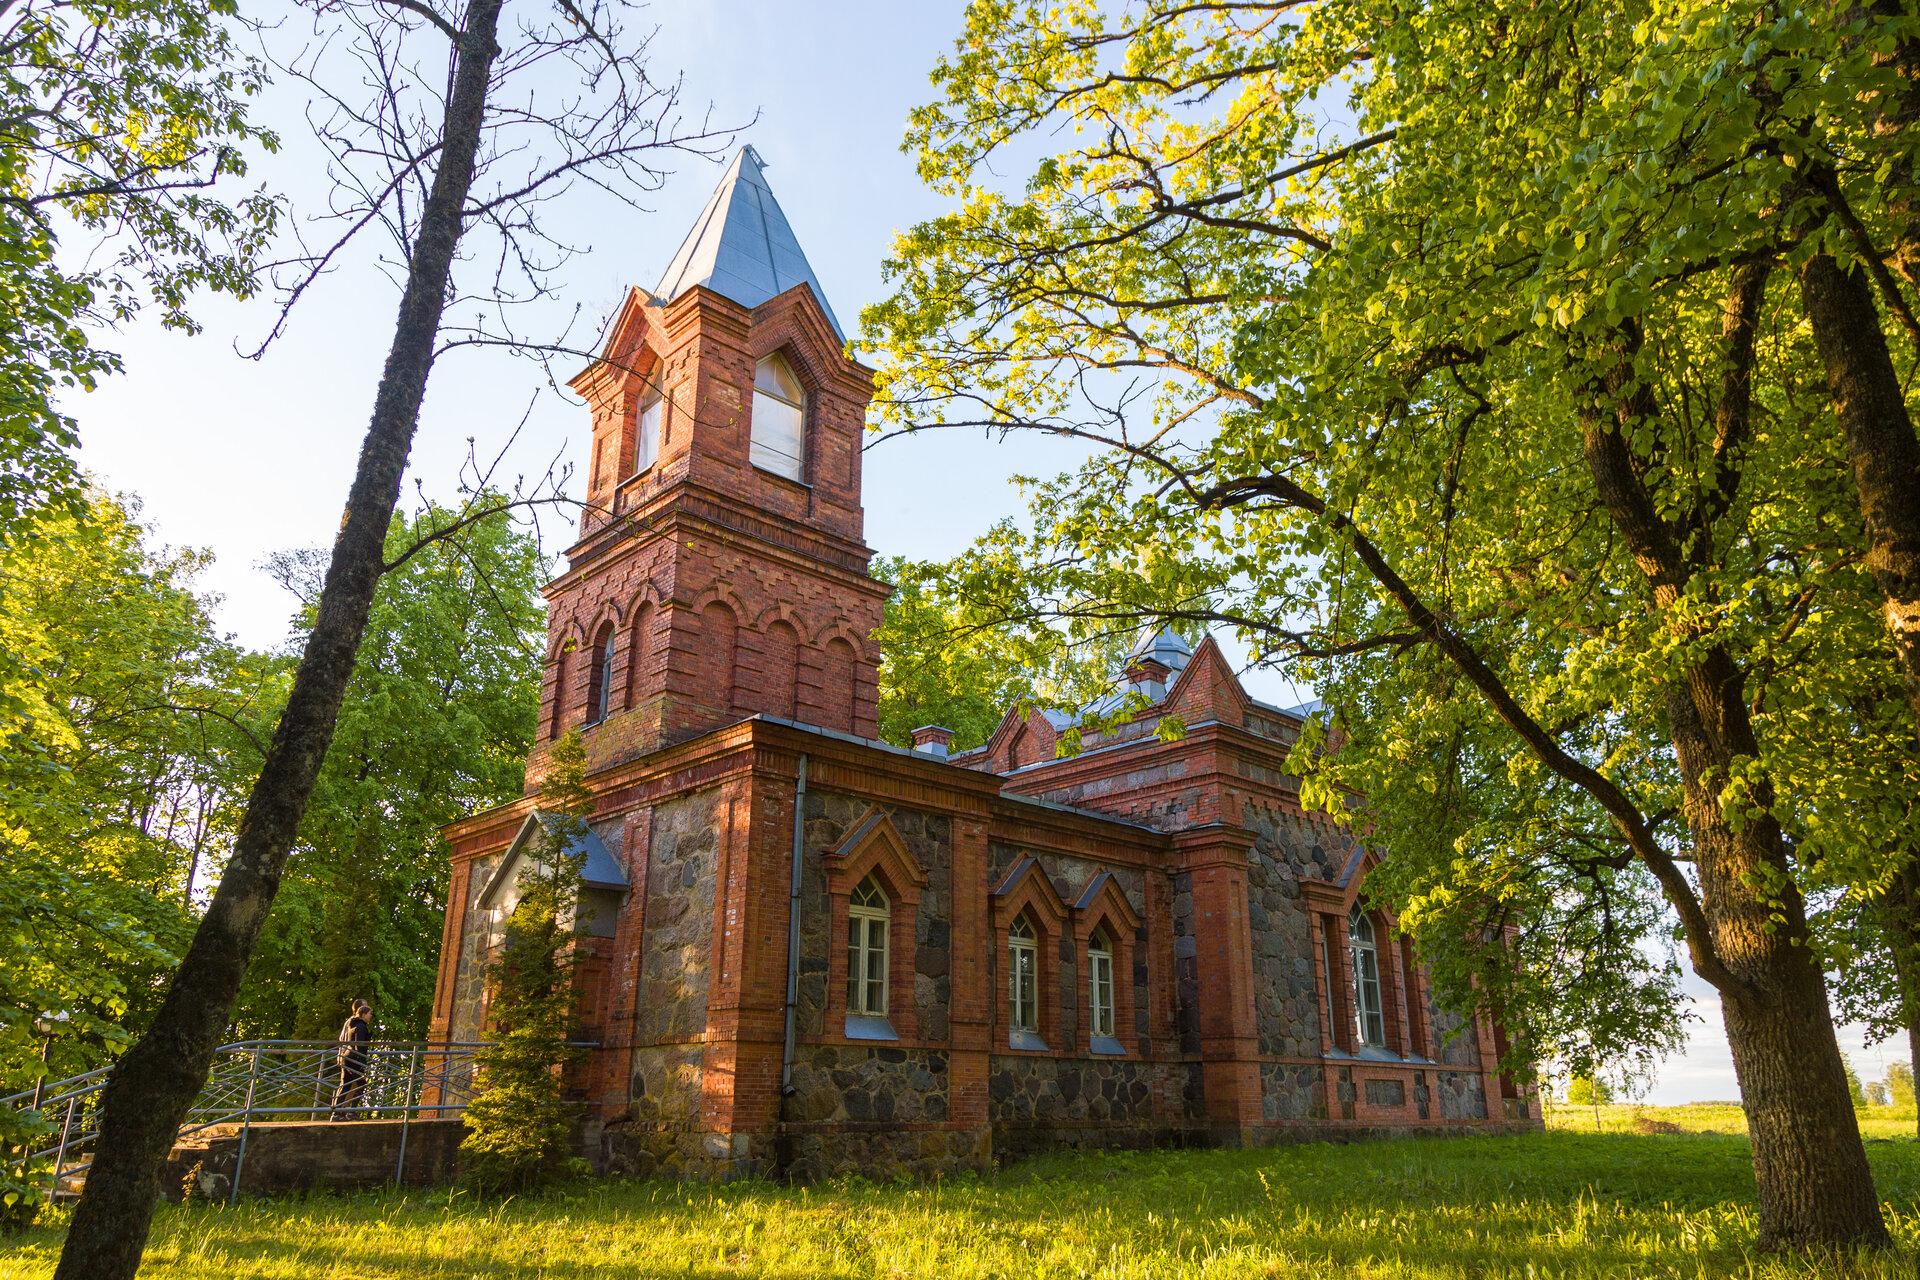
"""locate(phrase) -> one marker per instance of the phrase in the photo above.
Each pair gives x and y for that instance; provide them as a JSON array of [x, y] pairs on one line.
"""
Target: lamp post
[[46, 1024]]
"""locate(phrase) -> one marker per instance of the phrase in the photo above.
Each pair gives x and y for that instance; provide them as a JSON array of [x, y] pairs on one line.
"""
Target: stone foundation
[[312, 1156]]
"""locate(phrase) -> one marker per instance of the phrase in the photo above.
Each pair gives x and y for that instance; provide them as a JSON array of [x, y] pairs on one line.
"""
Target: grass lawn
[[1560, 1204], [1704, 1117]]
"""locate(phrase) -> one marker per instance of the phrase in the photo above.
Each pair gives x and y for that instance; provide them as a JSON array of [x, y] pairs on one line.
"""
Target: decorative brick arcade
[[992, 953]]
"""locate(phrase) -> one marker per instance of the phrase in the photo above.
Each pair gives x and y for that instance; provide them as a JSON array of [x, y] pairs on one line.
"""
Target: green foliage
[[127, 741], [1900, 1084], [122, 116], [519, 1128], [1571, 1205], [436, 724], [1854, 1088], [1588, 1091], [937, 669], [1330, 319]]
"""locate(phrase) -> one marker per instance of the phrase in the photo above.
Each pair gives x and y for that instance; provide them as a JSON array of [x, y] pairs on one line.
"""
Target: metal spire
[[741, 245]]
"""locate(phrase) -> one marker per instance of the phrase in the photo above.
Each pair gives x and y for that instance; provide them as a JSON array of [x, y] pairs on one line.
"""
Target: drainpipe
[[781, 1146]]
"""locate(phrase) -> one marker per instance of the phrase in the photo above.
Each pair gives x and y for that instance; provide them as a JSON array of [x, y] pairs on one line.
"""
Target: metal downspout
[[782, 1145]]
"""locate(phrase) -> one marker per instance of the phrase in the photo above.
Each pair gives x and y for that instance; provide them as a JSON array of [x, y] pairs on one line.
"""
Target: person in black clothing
[[355, 1034]]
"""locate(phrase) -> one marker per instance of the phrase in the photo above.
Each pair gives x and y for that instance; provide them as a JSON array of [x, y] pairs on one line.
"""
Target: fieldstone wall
[[1186, 966], [1291, 1091], [1053, 1095], [1462, 1096], [660, 1131], [1286, 998], [470, 971], [1459, 1046], [856, 1084], [883, 1154], [874, 1110], [929, 838], [677, 935]]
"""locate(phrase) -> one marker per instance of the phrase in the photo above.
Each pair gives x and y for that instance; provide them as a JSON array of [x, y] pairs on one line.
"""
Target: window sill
[[771, 473], [1026, 1040], [1107, 1045], [862, 1027]]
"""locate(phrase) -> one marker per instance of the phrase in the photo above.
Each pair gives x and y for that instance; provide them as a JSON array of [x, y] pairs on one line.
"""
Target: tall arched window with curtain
[[600, 682], [1100, 983], [1023, 977], [779, 419], [869, 916], [1369, 1021]]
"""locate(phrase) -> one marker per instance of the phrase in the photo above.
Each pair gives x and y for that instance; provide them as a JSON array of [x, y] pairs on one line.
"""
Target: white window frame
[[648, 434], [1100, 984], [778, 440], [1369, 1018], [869, 923], [1023, 977]]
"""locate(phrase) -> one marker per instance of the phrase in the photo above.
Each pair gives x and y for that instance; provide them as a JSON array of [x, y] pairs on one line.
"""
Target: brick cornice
[[689, 506]]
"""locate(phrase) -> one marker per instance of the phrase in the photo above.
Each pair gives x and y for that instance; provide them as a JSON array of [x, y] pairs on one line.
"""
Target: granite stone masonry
[[804, 952]]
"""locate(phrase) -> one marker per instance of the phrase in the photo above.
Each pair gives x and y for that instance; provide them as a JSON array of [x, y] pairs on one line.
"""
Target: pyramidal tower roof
[[741, 245]]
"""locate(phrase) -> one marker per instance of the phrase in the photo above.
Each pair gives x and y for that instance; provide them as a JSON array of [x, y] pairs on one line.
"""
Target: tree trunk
[[1882, 447], [1913, 1056], [1809, 1164], [156, 1081]]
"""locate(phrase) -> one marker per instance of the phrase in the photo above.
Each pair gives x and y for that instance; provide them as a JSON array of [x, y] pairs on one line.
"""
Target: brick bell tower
[[720, 570]]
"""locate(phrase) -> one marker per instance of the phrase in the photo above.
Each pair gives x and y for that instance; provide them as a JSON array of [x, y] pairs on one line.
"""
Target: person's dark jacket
[[355, 1032]]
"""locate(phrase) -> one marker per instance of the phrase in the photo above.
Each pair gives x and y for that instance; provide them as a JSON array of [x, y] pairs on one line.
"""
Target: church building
[[803, 951]]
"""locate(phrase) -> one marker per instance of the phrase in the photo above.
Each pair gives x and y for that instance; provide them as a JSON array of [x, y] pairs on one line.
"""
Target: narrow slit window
[[779, 420], [868, 916], [600, 685]]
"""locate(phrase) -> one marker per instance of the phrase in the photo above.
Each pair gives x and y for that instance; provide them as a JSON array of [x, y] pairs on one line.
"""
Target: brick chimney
[[933, 740], [1149, 676]]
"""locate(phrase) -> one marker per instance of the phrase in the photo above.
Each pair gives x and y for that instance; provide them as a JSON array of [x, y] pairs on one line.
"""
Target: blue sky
[[248, 457]]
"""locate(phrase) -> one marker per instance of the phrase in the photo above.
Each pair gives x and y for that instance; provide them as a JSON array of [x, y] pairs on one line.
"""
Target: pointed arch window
[[600, 683], [647, 427], [1100, 984], [868, 916], [779, 419], [1369, 1021], [1023, 977]]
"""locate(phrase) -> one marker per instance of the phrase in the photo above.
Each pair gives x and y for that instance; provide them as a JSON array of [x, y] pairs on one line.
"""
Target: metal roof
[[1166, 647], [742, 246], [598, 868]]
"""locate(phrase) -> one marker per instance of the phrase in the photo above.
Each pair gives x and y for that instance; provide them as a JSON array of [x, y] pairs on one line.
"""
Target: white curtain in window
[[1023, 977], [651, 414], [779, 420], [1368, 1020], [867, 919], [1100, 984]]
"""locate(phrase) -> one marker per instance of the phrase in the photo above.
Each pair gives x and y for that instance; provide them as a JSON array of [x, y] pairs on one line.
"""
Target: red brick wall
[[730, 591]]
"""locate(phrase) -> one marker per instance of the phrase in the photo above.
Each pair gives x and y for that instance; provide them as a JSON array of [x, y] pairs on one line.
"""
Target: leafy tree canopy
[[120, 118], [1460, 359], [436, 724]]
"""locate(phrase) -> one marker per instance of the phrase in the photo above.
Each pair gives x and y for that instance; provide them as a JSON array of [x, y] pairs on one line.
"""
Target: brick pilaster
[[1216, 858]]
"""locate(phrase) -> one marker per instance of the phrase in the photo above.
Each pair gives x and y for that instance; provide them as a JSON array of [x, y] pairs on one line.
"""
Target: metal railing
[[256, 1082]]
